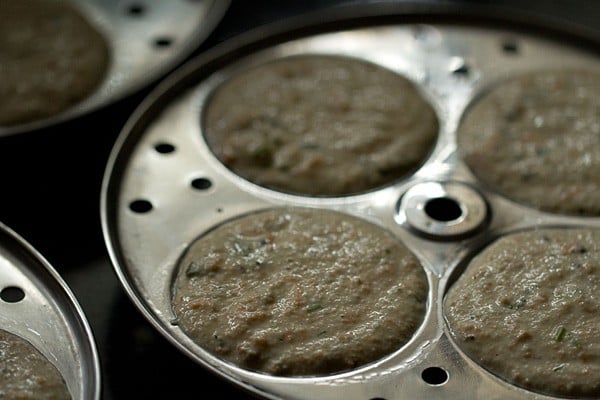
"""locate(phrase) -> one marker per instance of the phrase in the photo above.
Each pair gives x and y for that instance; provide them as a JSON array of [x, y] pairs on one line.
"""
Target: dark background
[[51, 179]]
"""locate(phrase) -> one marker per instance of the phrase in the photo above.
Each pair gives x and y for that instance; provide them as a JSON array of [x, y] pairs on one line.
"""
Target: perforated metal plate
[[38, 306], [151, 210], [146, 39]]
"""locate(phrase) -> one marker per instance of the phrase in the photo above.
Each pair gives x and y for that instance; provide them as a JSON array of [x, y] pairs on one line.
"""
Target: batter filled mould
[[57, 61], [319, 124], [141, 42], [27, 372], [534, 137], [299, 292], [162, 151], [521, 307]]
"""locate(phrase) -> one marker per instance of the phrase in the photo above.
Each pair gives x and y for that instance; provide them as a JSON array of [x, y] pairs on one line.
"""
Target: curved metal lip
[[343, 17], [91, 387], [90, 104]]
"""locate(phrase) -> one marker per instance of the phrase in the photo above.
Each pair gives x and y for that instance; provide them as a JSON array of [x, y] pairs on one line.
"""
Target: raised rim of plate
[[77, 330]]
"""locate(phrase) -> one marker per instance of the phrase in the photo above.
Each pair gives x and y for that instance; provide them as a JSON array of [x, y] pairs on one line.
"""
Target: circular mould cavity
[[443, 209], [26, 373], [434, 376], [12, 294], [325, 126], [526, 309], [535, 139], [313, 292]]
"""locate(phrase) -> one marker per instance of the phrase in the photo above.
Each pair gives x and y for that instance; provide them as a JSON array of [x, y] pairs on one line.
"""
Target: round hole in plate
[[140, 206], [163, 42], [201, 183], [12, 294], [434, 376], [164, 148], [443, 209], [461, 70], [510, 46], [136, 9]]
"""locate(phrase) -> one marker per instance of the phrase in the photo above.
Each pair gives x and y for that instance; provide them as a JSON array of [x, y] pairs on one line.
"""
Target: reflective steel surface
[[151, 212], [38, 306], [51, 190]]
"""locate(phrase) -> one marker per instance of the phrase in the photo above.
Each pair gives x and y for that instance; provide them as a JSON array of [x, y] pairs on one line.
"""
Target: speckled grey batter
[[51, 58], [527, 307], [299, 292], [320, 125], [25, 374], [536, 139]]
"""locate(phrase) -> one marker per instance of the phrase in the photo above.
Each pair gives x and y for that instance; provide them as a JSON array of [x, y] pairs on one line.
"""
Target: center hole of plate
[[443, 209]]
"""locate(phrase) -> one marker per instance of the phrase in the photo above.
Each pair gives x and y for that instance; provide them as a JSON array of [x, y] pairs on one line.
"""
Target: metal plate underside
[[145, 246], [146, 39], [48, 316]]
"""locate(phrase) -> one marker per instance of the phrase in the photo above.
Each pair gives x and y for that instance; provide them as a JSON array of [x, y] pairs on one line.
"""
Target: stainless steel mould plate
[[146, 39], [152, 210], [37, 305]]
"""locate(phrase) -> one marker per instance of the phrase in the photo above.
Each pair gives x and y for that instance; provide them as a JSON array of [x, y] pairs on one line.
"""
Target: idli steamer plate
[[145, 38], [38, 306], [163, 187]]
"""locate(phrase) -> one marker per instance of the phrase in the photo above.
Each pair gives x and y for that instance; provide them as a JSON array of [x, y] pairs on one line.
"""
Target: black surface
[[50, 195]]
